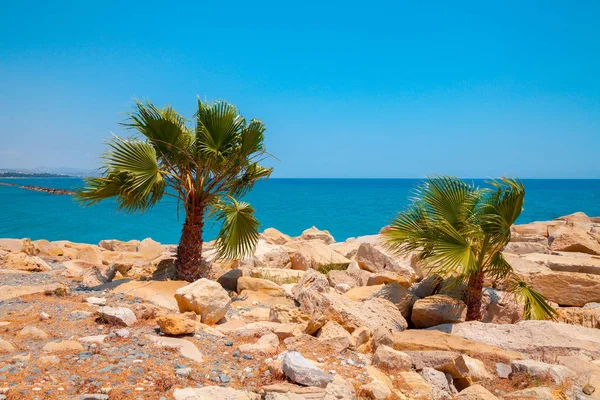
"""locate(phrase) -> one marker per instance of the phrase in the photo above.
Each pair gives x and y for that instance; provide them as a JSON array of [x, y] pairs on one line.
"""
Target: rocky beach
[[304, 318]]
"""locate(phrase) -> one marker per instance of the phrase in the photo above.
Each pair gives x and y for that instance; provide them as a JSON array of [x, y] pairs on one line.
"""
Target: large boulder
[[437, 309], [212, 393], [574, 240], [270, 255], [525, 247], [402, 297], [529, 337], [314, 233], [149, 248], [298, 369], [373, 258], [568, 262], [566, 288], [91, 254], [352, 278], [315, 254], [500, 307], [273, 236], [160, 293], [586, 317], [96, 275], [336, 335], [117, 315], [206, 298], [259, 285], [540, 369], [23, 262], [391, 360], [117, 245], [476, 392], [175, 325]]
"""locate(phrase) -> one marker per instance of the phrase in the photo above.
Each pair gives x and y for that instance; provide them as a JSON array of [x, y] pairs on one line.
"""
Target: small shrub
[[324, 269]]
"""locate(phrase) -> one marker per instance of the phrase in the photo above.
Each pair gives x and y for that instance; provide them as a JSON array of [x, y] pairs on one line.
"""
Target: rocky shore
[[304, 318], [39, 188]]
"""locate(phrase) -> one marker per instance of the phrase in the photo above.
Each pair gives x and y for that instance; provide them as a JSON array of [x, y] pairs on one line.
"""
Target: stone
[[465, 370], [66, 346], [348, 248], [392, 360], [24, 262], [6, 347], [361, 336], [336, 335], [437, 309], [414, 386], [314, 233], [206, 298], [149, 248], [262, 285], [175, 325], [186, 348], [529, 337], [97, 339], [286, 315], [267, 345], [310, 346], [117, 315], [117, 245], [540, 369], [31, 332], [567, 262], [90, 254], [339, 389], [213, 393], [298, 369], [400, 296], [500, 307], [574, 240], [315, 254], [161, 293], [374, 259], [385, 277], [503, 370], [352, 278], [97, 275], [566, 288], [229, 280], [431, 358], [535, 393], [476, 392], [96, 301], [273, 236], [270, 255], [586, 317], [438, 382], [11, 292], [525, 248], [362, 293], [15, 245]]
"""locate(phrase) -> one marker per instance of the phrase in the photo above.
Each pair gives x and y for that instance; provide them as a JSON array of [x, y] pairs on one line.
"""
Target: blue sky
[[369, 89]]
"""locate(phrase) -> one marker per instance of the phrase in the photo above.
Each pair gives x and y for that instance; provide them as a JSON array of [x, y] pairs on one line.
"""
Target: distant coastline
[[39, 188]]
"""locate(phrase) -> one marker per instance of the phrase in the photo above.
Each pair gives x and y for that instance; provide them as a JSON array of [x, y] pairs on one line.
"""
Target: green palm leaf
[[239, 231]]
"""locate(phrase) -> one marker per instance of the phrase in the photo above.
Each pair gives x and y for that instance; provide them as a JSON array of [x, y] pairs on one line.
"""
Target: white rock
[[206, 298], [117, 315], [302, 371]]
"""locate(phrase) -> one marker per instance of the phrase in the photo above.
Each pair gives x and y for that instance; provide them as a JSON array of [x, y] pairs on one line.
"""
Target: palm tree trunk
[[473, 297], [189, 252]]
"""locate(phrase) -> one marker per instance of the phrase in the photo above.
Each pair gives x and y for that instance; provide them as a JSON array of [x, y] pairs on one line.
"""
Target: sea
[[345, 207]]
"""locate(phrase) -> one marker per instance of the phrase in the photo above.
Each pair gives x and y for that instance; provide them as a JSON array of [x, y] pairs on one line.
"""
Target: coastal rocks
[[540, 369], [441, 388], [566, 288], [437, 309], [66, 346], [568, 262], [23, 262], [525, 248], [298, 369], [117, 315], [97, 275], [374, 259], [259, 285], [91, 254], [500, 308], [266, 346], [270, 255], [206, 298], [162, 293], [392, 360], [315, 234], [400, 296], [149, 249], [476, 392], [336, 335], [586, 317], [175, 325], [31, 332], [273, 236], [529, 337], [573, 240], [212, 393], [117, 245], [315, 254], [186, 348], [465, 371]]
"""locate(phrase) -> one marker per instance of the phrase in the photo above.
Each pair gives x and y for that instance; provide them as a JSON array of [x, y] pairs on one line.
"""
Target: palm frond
[[238, 235], [445, 198], [218, 129], [243, 184], [535, 305]]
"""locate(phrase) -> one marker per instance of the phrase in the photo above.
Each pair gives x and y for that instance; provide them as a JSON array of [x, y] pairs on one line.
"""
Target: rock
[[16, 245], [525, 248], [530, 337], [66, 346], [536, 393], [31, 332], [97, 275], [374, 259], [96, 301], [574, 240], [465, 371], [44, 316], [229, 280], [362, 293], [428, 340], [540, 369], [79, 315], [161, 293], [586, 317], [567, 262], [278, 275], [439, 384], [213, 393], [206, 298], [476, 392], [259, 285], [117, 315], [384, 277], [300, 370], [186, 348], [437, 309], [90, 254], [310, 346], [503, 370], [315, 254], [175, 325], [566, 288], [414, 386], [23, 262], [97, 339], [352, 278], [361, 336], [287, 315], [431, 359], [382, 337], [400, 296], [339, 389], [117, 245], [273, 236], [266, 346], [392, 360], [149, 249], [348, 248], [316, 234], [336, 335], [500, 307], [11, 292], [6, 347], [270, 255]]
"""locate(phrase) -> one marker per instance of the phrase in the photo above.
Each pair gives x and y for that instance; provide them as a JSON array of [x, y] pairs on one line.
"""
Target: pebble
[[44, 316]]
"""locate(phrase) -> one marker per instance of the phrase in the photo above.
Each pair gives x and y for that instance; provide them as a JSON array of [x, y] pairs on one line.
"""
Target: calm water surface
[[345, 207]]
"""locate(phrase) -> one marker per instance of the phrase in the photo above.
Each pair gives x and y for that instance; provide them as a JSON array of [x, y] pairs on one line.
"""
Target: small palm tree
[[459, 231], [205, 167]]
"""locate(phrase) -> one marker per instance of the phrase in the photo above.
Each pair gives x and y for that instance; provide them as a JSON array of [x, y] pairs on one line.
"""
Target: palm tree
[[205, 167], [458, 231]]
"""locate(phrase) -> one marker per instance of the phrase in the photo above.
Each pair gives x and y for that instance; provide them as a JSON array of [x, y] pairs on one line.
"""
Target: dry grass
[[278, 279], [324, 269]]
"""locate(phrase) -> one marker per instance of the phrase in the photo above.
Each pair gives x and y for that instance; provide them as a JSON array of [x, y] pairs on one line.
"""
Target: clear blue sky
[[369, 89]]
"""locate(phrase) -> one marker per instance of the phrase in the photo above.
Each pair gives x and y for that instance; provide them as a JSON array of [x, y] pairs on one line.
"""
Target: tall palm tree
[[459, 231], [205, 167]]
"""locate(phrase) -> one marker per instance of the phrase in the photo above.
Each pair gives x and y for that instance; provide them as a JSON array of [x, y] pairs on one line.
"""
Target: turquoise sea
[[345, 207]]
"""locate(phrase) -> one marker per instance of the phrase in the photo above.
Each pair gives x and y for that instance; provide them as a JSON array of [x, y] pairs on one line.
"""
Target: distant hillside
[[44, 172]]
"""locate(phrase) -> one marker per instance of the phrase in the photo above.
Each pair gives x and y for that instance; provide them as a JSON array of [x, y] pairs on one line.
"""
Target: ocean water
[[345, 207]]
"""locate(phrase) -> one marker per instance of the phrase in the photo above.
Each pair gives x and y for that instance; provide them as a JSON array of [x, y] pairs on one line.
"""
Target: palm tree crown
[[205, 167], [459, 231]]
